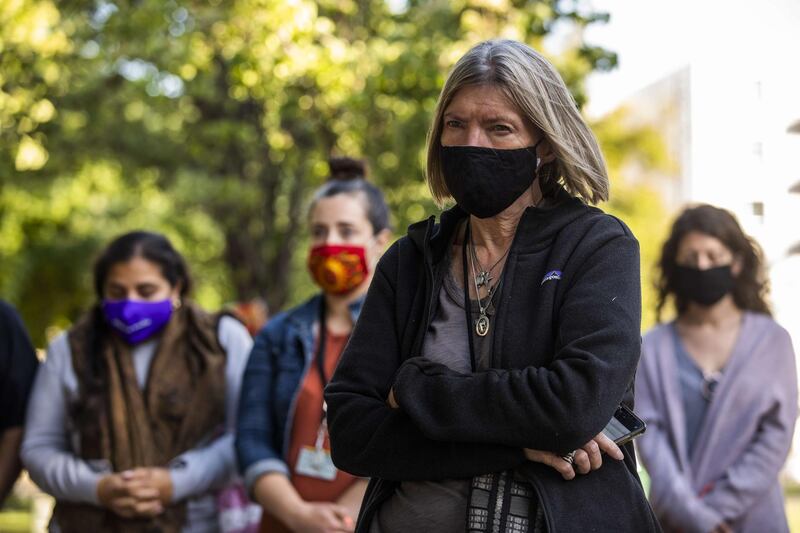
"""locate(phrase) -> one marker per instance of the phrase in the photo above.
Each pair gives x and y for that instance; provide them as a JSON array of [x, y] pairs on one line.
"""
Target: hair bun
[[347, 168]]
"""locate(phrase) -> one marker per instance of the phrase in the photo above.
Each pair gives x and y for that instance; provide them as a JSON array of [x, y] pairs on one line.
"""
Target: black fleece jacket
[[566, 346]]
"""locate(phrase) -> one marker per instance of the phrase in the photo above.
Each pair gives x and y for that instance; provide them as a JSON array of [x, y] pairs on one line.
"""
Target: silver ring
[[570, 457]]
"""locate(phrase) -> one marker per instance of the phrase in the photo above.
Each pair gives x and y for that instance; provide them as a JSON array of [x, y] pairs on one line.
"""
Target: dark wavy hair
[[751, 285]]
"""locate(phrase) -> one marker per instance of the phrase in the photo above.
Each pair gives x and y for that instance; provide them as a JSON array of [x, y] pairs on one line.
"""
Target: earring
[[176, 304]]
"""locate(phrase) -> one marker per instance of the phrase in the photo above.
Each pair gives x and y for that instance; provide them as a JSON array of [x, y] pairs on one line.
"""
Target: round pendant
[[482, 326]]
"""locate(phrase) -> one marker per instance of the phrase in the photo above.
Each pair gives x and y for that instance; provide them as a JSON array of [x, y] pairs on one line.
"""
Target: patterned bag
[[236, 513]]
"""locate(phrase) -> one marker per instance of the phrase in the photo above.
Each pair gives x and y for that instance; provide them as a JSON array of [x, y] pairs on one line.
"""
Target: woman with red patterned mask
[[282, 438]]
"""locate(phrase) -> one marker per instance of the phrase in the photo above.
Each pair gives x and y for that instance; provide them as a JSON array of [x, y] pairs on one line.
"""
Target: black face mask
[[485, 181], [705, 287]]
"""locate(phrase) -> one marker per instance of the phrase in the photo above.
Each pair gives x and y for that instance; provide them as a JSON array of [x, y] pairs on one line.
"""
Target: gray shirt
[[694, 391], [440, 506], [50, 448]]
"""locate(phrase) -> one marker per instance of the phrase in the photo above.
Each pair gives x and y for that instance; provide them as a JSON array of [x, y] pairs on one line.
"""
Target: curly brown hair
[[751, 285]]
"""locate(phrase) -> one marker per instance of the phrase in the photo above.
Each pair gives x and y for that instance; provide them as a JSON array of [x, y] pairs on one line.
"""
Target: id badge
[[315, 462]]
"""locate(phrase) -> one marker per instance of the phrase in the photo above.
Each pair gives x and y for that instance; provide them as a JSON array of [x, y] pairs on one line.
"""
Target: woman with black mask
[[717, 386], [494, 347]]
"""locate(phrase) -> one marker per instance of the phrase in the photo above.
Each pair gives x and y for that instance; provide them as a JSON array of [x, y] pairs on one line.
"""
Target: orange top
[[307, 419]]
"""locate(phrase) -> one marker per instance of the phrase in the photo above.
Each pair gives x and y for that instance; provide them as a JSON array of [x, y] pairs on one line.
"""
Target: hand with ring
[[581, 461]]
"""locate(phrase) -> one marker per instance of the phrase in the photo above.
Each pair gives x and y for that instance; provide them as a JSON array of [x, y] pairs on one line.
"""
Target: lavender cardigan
[[742, 444]]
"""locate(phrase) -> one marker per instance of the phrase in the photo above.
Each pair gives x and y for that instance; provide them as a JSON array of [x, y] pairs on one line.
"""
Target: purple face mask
[[137, 321]]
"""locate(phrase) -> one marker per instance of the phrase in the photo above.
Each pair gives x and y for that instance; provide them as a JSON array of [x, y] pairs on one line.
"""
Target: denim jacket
[[281, 356]]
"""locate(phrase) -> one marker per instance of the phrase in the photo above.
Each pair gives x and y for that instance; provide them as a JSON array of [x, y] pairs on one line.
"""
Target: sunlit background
[[212, 121]]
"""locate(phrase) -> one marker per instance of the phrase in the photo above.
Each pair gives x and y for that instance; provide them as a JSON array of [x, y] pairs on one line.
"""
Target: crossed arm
[[499, 413]]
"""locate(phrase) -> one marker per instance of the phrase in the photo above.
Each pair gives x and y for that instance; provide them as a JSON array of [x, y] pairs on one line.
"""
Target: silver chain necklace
[[484, 276], [482, 324]]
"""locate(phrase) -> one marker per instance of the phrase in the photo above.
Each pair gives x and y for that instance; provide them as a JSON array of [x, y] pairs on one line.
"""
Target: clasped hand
[[587, 458], [141, 492]]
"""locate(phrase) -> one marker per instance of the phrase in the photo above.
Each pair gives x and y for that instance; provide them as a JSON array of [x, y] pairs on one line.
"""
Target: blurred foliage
[[212, 122]]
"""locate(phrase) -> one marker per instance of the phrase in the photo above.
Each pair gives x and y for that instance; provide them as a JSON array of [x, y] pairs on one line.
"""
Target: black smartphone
[[624, 426]]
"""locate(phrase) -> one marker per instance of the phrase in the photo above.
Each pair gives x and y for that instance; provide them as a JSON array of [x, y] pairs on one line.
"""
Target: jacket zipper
[[429, 294], [505, 290]]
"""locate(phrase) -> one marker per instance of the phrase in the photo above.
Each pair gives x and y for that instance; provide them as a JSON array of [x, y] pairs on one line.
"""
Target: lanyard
[[467, 301], [319, 358]]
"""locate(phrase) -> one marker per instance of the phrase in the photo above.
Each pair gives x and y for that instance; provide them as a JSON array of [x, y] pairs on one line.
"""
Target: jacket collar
[[305, 316], [538, 225], [304, 321]]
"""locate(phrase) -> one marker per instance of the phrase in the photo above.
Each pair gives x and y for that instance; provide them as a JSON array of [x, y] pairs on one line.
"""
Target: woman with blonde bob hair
[[495, 346]]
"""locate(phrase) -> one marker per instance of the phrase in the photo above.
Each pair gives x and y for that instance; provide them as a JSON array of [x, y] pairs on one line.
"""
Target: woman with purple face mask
[[717, 386], [130, 422]]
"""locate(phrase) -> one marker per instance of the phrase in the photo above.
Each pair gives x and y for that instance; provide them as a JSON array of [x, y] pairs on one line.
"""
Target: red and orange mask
[[338, 269]]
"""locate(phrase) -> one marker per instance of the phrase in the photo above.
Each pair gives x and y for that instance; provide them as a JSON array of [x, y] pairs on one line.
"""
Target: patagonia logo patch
[[551, 276]]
